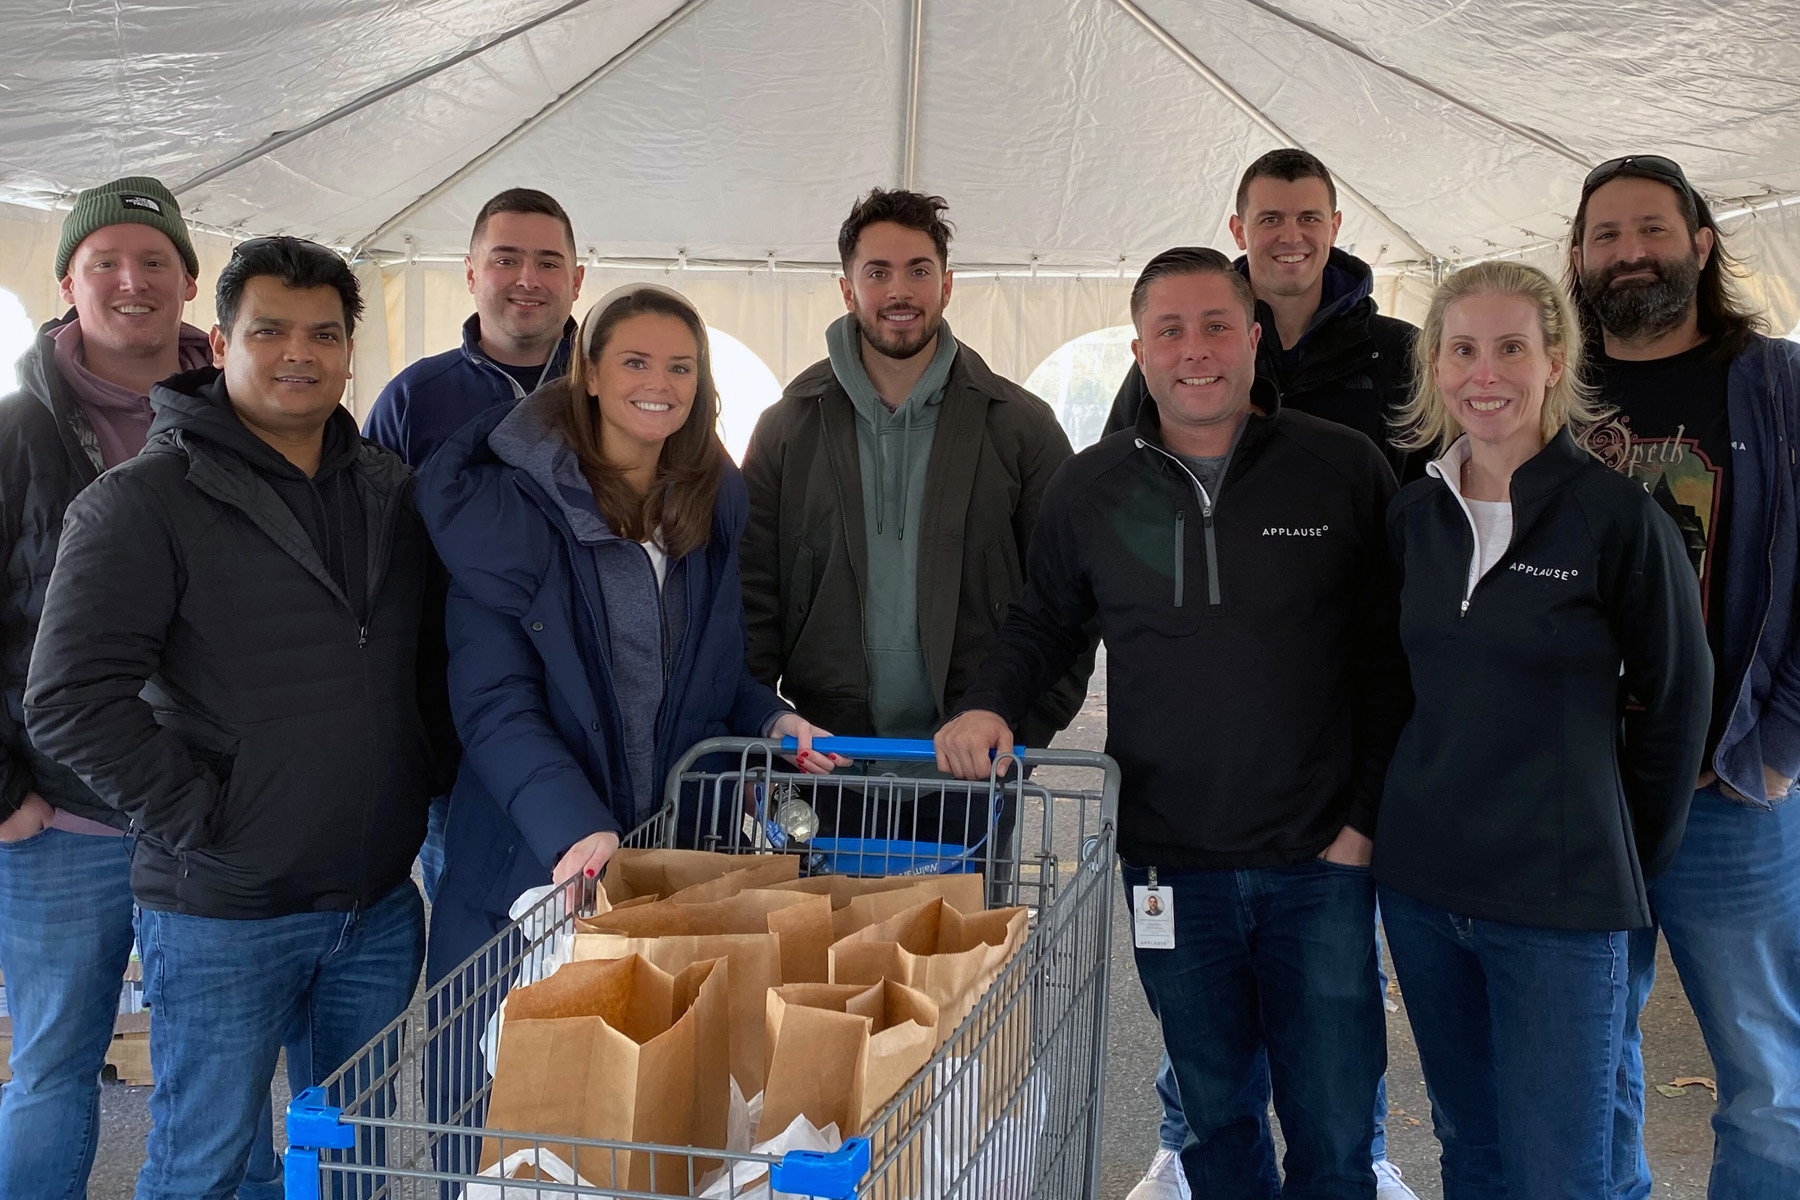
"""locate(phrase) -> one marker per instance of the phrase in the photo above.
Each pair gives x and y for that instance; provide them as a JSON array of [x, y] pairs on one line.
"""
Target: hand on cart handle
[[803, 732], [586, 857], [968, 745]]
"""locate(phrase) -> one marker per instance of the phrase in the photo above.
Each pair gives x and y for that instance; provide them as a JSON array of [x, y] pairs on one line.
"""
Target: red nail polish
[[590, 873], [803, 755]]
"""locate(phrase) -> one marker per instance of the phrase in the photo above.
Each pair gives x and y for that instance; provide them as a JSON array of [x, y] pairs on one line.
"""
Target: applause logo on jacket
[[1295, 530], [1545, 572]]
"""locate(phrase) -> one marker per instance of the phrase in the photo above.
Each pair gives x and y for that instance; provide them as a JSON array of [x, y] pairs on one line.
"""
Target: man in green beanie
[[126, 267]]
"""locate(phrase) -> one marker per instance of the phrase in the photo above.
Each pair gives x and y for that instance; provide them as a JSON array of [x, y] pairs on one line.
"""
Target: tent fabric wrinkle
[[717, 144]]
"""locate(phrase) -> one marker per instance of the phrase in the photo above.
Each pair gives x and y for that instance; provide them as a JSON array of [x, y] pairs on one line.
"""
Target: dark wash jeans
[[229, 994], [1519, 1032], [1729, 906], [1272, 978]]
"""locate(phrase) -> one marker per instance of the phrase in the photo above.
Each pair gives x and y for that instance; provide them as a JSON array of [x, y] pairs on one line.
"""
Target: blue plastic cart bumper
[[831, 1176], [312, 1126]]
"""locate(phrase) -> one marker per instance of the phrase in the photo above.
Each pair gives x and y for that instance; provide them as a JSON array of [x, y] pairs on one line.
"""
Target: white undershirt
[[659, 561], [1493, 533]]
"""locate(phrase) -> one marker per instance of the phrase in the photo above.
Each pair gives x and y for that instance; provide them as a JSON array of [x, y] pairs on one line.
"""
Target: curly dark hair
[[914, 210]]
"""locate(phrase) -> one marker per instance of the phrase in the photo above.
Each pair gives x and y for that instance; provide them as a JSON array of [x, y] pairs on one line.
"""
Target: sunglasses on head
[[1647, 166]]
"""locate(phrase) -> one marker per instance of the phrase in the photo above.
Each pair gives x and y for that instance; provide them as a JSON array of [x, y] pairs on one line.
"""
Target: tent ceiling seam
[[1218, 83], [914, 84], [643, 42], [276, 141], [1543, 140]]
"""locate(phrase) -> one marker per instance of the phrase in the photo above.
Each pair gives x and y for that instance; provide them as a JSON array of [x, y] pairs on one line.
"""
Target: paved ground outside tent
[[1679, 1132]]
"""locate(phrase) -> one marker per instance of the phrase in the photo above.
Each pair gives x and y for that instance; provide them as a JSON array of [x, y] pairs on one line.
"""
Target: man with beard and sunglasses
[[1706, 411], [893, 490]]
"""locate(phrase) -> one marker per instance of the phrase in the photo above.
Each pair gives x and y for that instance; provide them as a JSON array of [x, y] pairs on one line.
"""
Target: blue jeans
[[1173, 1133], [1271, 988], [1729, 906], [431, 854], [1519, 1032], [65, 937], [228, 995]]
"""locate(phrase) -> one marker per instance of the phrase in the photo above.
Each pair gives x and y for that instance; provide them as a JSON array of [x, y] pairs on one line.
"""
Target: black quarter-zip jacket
[[246, 664], [1254, 677], [1525, 789]]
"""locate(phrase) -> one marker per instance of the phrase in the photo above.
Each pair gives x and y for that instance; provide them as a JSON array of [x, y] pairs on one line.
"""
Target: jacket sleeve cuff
[[559, 814], [1780, 739]]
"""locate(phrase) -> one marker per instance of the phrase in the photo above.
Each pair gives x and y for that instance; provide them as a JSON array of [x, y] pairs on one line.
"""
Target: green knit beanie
[[134, 200]]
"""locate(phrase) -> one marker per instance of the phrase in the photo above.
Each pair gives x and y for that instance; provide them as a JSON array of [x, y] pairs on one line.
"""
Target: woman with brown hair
[[595, 619]]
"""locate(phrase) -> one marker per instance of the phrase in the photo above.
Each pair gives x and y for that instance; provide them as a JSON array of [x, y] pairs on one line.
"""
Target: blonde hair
[[1424, 421]]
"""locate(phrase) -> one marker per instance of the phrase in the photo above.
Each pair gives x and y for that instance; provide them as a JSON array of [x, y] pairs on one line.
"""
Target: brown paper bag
[[660, 873], [803, 922], [839, 1052], [857, 902], [755, 968], [950, 957], [619, 1050]]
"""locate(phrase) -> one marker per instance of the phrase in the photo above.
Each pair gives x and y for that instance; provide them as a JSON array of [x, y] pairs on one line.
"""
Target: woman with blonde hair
[[595, 617], [1562, 689]]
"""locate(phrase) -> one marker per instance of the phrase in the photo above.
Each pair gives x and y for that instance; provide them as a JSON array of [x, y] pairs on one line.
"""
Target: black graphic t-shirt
[[1671, 433]]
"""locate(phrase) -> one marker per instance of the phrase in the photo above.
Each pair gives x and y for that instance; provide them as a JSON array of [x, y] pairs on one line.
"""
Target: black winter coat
[[1254, 678], [1524, 788], [278, 760], [1354, 367], [43, 466]]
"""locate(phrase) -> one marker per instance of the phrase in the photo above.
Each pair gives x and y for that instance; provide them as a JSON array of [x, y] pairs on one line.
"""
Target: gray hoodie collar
[[843, 339], [524, 439]]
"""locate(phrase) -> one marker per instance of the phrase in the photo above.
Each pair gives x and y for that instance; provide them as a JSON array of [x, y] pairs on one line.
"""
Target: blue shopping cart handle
[[890, 749]]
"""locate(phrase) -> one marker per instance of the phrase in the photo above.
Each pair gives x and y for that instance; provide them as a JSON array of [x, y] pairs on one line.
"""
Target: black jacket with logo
[[1525, 789], [1354, 366], [1254, 677], [230, 656]]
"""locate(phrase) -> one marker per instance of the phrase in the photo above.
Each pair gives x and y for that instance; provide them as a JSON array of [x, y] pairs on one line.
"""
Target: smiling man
[[893, 489], [1325, 347], [1705, 413], [523, 271], [1234, 555], [126, 268], [230, 659]]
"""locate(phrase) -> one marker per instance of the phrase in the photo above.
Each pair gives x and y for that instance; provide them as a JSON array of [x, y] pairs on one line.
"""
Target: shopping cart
[[1008, 1108]]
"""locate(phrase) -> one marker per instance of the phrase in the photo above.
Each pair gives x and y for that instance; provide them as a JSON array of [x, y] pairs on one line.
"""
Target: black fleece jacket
[[1525, 789], [248, 664], [1254, 677]]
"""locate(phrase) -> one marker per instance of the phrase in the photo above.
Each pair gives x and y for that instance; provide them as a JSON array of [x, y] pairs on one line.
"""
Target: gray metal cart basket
[[1010, 1106]]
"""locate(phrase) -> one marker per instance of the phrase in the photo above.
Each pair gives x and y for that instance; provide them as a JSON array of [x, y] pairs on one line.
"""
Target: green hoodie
[[893, 451]]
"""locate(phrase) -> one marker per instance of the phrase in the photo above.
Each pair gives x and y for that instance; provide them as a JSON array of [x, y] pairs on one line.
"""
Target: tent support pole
[[1174, 45], [288, 137], [1543, 140], [648, 39], [915, 70]]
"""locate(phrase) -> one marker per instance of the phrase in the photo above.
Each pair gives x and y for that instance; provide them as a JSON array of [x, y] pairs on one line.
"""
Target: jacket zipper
[[1180, 557], [1206, 524]]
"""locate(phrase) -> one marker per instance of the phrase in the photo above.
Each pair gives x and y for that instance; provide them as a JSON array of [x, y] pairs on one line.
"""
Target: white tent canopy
[[718, 143]]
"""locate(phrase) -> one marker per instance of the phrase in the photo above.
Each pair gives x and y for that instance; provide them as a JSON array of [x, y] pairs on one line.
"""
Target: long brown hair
[[691, 467]]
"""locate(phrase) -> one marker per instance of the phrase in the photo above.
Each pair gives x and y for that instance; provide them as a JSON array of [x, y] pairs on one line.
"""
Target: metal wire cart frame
[[1009, 1106]]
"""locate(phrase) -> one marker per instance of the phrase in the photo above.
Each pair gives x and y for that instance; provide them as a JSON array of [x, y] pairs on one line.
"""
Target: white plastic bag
[[750, 1181], [539, 964], [544, 1161]]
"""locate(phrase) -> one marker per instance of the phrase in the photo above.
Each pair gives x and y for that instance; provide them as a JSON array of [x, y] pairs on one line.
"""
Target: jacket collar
[[559, 358], [1265, 403], [1538, 478]]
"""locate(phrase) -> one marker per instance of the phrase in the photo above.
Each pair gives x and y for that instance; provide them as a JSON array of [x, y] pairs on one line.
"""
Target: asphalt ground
[[1677, 1128]]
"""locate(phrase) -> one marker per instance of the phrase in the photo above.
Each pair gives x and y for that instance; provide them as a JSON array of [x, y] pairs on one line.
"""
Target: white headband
[[591, 321]]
